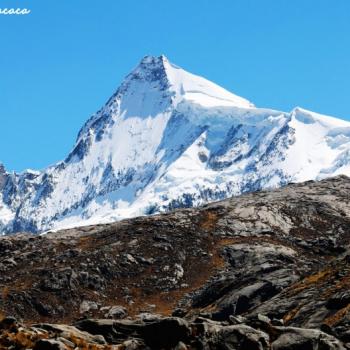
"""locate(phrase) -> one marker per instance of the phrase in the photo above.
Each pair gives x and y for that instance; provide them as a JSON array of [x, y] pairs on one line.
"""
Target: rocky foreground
[[268, 270]]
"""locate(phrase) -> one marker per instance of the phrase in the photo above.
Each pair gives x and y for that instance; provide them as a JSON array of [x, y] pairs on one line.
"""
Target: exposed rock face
[[267, 270], [166, 333]]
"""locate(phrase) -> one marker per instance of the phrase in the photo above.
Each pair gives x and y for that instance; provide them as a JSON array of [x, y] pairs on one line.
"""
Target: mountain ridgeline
[[168, 139]]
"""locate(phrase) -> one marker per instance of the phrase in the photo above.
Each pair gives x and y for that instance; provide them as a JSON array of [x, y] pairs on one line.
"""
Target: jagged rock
[[167, 333], [113, 331], [10, 262], [65, 279], [68, 332], [164, 333], [305, 339], [133, 344], [66, 342], [264, 319], [236, 319], [339, 300], [87, 306], [238, 337], [277, 322], [117, 312], [149, 317]]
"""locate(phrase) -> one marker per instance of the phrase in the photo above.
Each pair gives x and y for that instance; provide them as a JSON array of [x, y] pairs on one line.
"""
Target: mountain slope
[[169, 139], [271, 260]]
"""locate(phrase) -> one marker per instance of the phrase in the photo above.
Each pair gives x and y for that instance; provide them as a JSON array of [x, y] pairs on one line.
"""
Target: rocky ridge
[[266, 270]]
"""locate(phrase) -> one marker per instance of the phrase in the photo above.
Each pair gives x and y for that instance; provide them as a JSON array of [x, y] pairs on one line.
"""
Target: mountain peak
[[153, 87], [310, 117], [168, 138], [183, 85], [153, 60], [150, 68]]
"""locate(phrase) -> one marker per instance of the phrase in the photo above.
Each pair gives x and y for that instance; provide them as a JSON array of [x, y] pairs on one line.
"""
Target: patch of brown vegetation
[[310, 281], [82, 344], [335, 286], [19, 340], [291, 314], [338, 316], [344, 283], [85, 242], [317, 277], [5, 292], [197, 273], [209, 220]]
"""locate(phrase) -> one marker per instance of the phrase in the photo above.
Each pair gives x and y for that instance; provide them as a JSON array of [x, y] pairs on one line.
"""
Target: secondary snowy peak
[[309, 117], [167, 139]]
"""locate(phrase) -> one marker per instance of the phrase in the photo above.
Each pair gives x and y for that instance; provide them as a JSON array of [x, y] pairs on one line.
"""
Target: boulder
[[292, 338], [237, 337], [339, 300], [117, 312], [69, 332], [87, 306], [114, 332], [165, 333]]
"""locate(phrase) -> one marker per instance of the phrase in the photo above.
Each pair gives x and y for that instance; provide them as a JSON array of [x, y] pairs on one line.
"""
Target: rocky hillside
[[266, 270]]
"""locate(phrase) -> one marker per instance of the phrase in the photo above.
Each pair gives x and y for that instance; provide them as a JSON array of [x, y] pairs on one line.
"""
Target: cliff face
[[269, 260]]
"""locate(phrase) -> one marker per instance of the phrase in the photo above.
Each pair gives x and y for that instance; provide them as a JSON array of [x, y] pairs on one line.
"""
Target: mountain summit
[[168, 139]]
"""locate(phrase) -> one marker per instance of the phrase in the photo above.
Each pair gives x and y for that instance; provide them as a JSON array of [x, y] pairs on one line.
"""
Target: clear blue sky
[[63, 61]]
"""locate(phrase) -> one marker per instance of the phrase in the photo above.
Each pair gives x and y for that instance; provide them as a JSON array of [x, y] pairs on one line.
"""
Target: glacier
[[169, 139]]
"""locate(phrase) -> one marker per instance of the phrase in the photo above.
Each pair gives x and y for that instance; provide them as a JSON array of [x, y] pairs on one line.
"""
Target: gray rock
[[263, 318], [117, 312], [149, 317], [67, 332], [238, 337], [236, 319], [133, 344], [305, 339], [66, 342], [87, 306]]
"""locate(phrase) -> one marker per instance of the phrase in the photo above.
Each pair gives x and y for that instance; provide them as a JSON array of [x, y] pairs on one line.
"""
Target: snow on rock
[[168, 139]]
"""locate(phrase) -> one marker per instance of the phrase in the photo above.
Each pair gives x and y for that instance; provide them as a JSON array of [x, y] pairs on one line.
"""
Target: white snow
[[199, 90], [168, 138]]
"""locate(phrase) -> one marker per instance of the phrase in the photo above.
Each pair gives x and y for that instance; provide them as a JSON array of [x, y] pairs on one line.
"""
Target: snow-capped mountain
[[169, 139]]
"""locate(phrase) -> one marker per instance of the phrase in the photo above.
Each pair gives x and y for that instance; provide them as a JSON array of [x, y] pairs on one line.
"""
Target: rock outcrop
[[166, 333]]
